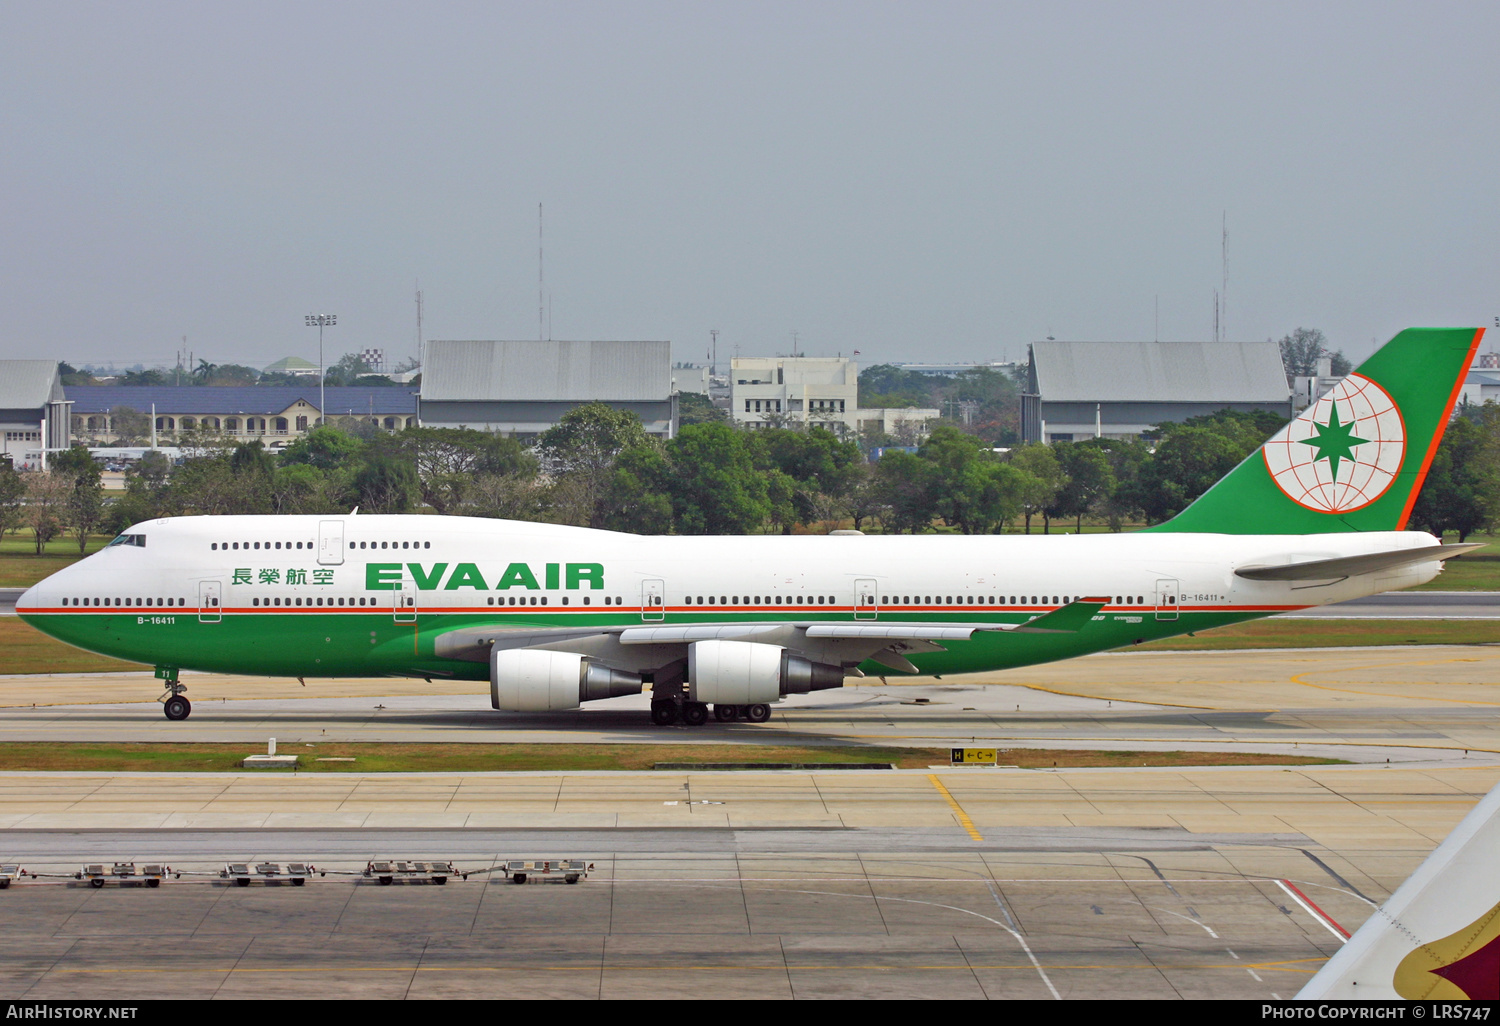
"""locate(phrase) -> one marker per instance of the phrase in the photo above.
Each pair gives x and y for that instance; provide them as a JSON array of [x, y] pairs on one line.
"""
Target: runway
[[980, 883]]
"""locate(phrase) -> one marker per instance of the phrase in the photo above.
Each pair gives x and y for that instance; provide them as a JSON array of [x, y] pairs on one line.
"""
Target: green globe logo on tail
[[1355, 459], [1343, 452]]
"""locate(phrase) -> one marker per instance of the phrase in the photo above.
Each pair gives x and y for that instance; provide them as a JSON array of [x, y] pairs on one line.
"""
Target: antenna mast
[[541, 282], [1224, 274], [419, 322]]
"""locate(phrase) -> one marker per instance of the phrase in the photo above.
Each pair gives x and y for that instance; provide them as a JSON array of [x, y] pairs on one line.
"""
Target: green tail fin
[[1355, 459]]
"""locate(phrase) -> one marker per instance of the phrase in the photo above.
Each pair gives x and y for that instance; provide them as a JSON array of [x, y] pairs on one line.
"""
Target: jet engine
[[530, 680], [746, 673]]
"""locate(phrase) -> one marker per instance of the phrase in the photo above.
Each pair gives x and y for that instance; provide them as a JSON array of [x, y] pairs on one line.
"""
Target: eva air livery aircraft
[[557, 616]]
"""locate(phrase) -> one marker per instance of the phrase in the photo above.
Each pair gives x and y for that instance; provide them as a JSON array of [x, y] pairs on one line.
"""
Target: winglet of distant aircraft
[[1438, 937]]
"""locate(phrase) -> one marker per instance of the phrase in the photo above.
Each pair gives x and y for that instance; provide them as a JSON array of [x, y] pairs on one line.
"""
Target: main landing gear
[[694, 714], [173, 703]]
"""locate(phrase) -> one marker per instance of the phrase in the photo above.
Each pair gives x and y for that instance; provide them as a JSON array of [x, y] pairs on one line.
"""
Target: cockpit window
[[128, 539]]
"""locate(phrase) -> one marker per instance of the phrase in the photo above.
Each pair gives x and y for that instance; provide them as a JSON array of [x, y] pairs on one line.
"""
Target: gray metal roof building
[[524, 388], [1078, 390], [33, 411]]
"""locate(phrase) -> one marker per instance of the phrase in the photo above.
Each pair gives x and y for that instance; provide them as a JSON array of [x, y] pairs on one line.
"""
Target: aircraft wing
[[1348, 566], [1438, 937], [861, 638]]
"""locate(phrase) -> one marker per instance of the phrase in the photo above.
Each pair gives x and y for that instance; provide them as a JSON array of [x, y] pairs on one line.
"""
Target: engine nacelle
[[531, 680], [746, 673]]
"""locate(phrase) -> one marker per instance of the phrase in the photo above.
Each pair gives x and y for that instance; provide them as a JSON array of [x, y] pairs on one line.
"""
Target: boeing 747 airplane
[[557, 616]]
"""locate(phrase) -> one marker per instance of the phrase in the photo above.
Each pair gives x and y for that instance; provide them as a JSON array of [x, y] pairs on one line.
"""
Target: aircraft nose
[[26, 600]]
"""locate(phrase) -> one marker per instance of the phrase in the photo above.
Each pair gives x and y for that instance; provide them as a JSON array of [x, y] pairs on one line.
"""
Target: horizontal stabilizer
[[1071, 617], [1349, 566]]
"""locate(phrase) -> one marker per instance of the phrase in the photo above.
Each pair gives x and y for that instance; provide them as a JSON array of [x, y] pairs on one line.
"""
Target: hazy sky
[[914, 180]]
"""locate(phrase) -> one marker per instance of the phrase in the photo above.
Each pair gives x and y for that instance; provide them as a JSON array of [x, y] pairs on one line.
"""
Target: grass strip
[[24, 649], [489, 758], [1279, 632]]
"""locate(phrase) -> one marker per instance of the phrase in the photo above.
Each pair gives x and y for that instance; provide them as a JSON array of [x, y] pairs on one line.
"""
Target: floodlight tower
[[321, 321]]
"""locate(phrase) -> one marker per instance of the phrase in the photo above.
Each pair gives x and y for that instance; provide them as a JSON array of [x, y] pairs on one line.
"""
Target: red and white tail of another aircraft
[[1438, 937]]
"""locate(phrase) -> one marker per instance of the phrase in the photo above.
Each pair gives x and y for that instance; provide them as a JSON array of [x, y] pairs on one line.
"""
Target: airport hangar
[[1078, 390], [33, 410], [523, 388]]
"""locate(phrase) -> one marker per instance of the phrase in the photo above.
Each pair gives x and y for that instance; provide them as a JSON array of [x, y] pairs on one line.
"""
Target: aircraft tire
[[758, 713], [177, 708], [726, 713], [664, 714], [694, 714]]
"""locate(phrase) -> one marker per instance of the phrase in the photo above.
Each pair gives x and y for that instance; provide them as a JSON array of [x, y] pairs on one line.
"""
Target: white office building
[[812, 391]]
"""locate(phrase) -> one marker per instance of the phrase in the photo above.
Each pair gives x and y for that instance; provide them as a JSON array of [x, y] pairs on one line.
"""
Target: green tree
[[697, 408], [12, 498], [968, 489], [449, 461], [349, 367], [583, 446], [715, 486], [905, 486], [1462, 489], [303, 488], [1126, 457], [46, 502], [234, 374], [1301, 350], [638, 498], [862, 500], [155, 376], [885, 386], [1247, 429], [386, 484], [1186, 464], [1089, 482], [1041, 466], [223, 480], [84, 504], [324, 448]]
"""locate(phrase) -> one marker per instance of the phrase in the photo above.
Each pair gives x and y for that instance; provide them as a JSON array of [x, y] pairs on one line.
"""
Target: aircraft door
[[1168, 596], [866, 599], [210, 602], [653, 599], [331, 542], [404, 601]]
